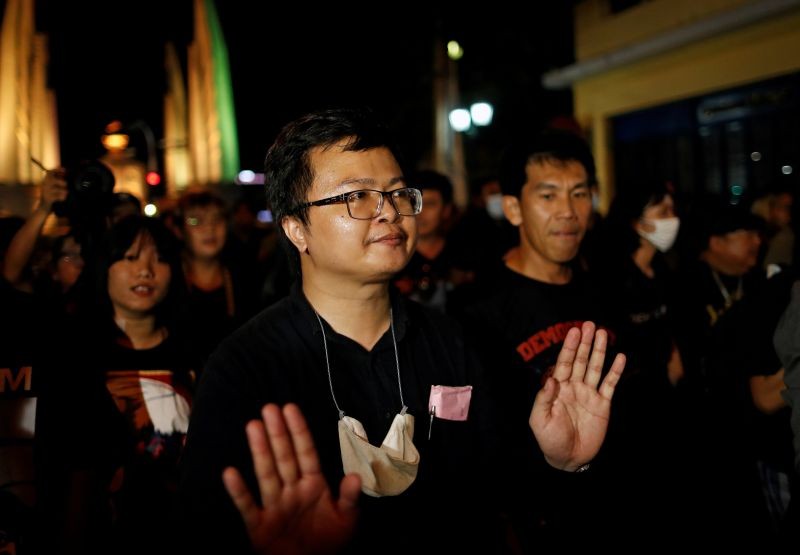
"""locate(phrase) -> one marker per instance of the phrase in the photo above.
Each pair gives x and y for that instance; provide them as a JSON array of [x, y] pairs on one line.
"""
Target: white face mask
[[494, 206], [385, 470], [664, 234]]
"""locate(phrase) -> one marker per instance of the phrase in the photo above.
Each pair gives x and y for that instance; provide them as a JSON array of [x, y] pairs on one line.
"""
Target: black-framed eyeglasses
[[366, 204]]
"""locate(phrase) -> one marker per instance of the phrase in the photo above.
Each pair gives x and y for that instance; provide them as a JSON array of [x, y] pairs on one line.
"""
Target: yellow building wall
[[766, 49]]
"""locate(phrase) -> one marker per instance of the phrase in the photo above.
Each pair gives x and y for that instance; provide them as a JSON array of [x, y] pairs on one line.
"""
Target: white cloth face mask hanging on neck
[[664, 234], [386, 470]]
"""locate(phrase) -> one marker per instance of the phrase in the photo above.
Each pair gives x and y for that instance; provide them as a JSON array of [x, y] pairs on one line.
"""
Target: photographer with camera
[[22, 246]]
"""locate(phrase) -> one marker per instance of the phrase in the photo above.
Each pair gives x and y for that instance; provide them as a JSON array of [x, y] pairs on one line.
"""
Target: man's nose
[[388, 212], [566, 207]]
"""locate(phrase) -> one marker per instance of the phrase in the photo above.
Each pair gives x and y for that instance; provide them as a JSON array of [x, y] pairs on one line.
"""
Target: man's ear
[[512, 209], [296, 232]]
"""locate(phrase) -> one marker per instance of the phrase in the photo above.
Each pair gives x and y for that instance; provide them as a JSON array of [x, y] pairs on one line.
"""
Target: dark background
[[107, 63]]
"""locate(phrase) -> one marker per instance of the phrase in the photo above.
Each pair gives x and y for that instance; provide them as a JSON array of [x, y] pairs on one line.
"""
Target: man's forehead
[[554, 165], [548, 171], [334, 165]]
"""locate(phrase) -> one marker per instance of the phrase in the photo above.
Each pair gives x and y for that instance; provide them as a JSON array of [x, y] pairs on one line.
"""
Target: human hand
[[298, 514], [54, 189], [570, 414]]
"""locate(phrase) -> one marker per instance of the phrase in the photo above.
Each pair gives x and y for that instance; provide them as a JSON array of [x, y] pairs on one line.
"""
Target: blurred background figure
[[776, 209], [426, 278], [254, 243], [714, 391], [48, 268], [217, 298], [123, 205], [630, 265], [479, 240]]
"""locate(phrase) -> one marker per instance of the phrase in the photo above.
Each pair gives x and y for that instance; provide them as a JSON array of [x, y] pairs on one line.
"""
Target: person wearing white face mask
[[641, 225], [664, 231]]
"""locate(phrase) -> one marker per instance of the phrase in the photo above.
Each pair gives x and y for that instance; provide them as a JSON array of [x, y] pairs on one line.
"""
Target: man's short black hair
[[433, 180], [551, 145], [287, 169]]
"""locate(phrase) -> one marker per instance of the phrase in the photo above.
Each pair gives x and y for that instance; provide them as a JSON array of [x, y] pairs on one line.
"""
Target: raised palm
[[298, 514], [570, 414]]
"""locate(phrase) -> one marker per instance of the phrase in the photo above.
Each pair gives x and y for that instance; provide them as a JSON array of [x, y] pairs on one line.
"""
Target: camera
[[90, 189]]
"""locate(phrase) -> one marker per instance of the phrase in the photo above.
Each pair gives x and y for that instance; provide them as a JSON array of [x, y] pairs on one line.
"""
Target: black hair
[[551, 145], [287, 168], [112, 249], [433, 180]]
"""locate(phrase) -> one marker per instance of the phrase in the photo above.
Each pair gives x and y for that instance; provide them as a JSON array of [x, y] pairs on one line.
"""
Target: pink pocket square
[[450, 403]]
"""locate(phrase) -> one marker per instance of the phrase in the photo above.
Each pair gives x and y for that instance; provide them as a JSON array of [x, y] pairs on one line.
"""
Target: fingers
[[582, 354], [349, 492], [566, 357], [543, 405], [54, 188], [269, 483], [305, 451], [612, 378], [239, 494], [597, 358], [280, 442]]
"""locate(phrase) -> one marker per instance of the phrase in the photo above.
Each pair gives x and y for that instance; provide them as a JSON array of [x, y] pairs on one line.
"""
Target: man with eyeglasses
[[352, 362]]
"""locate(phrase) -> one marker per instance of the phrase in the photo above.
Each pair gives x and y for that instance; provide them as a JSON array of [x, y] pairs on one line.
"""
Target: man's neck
[[430, 246], [357, 311], [721, 266], [538, 268]]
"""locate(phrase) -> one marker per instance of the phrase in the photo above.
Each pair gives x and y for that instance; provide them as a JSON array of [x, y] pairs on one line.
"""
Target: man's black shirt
[[278, 357]]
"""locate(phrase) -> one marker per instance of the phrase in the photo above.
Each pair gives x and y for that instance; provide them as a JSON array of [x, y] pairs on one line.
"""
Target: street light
[[482, 113], [459, 119], [150, 141], [479, 114]]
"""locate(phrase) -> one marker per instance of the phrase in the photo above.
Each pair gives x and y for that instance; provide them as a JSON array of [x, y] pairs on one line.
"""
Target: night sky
[[288, 61]]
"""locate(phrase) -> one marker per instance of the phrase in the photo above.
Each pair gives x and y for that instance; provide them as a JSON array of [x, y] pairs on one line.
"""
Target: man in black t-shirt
[[361, 363], [539, 295]]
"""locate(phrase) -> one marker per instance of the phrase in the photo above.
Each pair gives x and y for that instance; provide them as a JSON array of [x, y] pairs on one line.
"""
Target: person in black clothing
[[714, 392], [632, 269], [427, 276], [219, 298], [538, 295], [769, 427], [361, 363]]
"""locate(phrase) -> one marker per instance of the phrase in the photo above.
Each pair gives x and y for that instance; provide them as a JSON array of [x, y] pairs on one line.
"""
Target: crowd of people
[[540, 375]]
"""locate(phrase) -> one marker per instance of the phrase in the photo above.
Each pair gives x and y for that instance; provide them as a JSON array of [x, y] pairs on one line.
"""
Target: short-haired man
[[540, 294], [361, 364]]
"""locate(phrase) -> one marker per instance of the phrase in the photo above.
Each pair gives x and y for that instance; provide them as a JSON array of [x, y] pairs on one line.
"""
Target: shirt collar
[[301, 306]]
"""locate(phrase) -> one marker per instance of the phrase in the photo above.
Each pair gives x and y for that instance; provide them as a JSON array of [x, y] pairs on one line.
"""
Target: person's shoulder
[[261, 330]]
